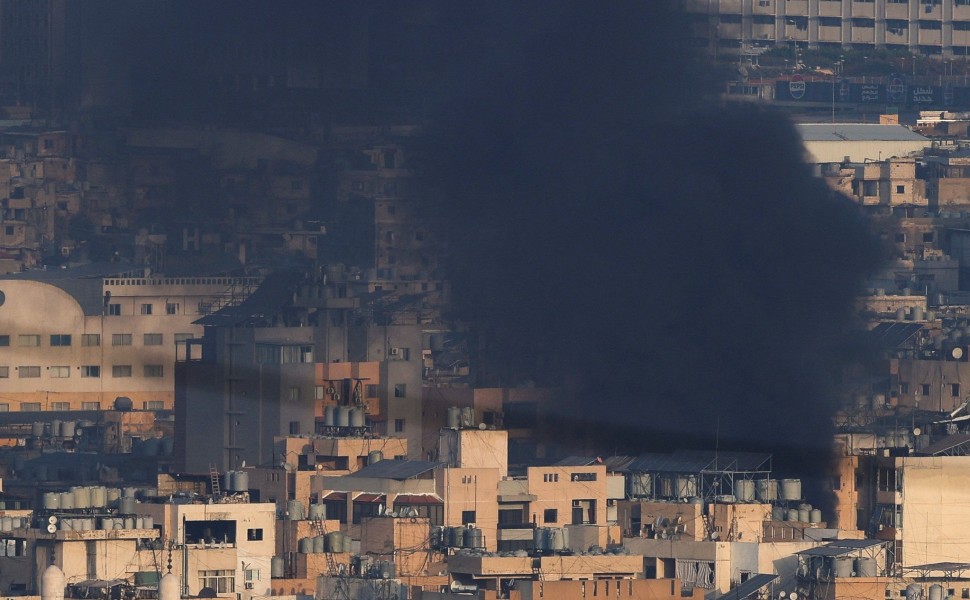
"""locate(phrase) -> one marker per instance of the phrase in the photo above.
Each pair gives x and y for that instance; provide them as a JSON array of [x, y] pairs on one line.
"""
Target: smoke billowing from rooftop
[[671, 260]]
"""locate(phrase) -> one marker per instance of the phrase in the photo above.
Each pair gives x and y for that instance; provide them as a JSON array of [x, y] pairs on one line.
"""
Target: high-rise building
[[939, 27]]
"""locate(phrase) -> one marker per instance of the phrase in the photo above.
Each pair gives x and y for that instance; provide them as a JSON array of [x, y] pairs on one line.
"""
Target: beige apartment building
[[923, 26], [73, 340]]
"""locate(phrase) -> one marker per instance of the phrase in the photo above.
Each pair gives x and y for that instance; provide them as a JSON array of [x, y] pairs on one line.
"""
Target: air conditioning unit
[[249, 585], [395, 351]]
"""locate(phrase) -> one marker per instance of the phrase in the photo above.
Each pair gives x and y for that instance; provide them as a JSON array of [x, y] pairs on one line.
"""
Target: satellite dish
[[380, 509], [288, 467], [782, 594], [51, 528], [917, 431], [793, 596], [957, 353], [482, 426], [52, 520]]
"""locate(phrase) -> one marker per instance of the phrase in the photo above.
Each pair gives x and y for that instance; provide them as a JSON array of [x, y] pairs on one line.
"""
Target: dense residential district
[[229, 368]]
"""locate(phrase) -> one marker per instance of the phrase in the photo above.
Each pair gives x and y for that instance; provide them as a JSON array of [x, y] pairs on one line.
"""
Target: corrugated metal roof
[[841, 547], [395, 469], [950, 442], [696, 461], [857, 132], [941, 566], [417, 499], [891, 335], [271, 296], [752, 585]]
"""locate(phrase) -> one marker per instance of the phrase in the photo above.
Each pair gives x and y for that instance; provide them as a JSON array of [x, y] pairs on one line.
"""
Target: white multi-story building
[[72, 340], [917, 26]]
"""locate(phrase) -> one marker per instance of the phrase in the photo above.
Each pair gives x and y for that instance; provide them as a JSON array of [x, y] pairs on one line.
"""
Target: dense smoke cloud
[[670, 260]]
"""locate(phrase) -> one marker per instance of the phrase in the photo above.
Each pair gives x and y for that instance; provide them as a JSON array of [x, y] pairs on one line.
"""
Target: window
[[371, 390], [4, 407], [91, 371], [26, 372], [171, 308], [903, 387], [550, 477], [30, 406], [4, 340], [222, 581], [252, 575], [398, 425], [153, 405], [90, 406], [900, 189], [60, 372], [114, 310], [120, 339], [293, 394], [90, 339], [294, 427], [955, 390], [121, 371], [550, 515], [28, 340], [582, 477], [925, 389], [254, 535], [60, 406], [928, 237], [154, 371], [400, 390], [900, 238], [468, 517], [146, 309], [60, 339], [153, 339], [4, 372]]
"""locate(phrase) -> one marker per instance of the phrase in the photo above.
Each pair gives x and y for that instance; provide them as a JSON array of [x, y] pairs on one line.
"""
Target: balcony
[[829, 9], [863, 35], [930, 37], [796, 8], [897, 11], [764, 7], [865, 10], [763, 32], [829, 34]]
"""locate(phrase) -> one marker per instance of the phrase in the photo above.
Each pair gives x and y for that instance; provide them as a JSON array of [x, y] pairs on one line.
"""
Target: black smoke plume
[[670, 261]]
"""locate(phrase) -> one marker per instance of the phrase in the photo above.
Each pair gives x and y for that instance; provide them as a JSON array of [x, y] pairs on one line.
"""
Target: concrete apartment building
[[274, 364], [76, 339], [940, 27]]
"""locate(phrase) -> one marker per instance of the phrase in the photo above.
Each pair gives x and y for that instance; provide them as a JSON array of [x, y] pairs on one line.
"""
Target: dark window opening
[[211, 532]]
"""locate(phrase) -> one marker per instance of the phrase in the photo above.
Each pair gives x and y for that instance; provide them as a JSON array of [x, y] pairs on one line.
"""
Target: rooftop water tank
[[453, 417], [52, 584]]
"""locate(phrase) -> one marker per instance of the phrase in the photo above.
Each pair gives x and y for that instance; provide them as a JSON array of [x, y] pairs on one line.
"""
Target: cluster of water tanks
[[235, 481], [914, 313], [768, 490], [460, 418], [11, 523], [105, 523], [343, 416], [803, 514], [914, 591], [84, 497], [458, 537], [335, 541], [153, 446], [826, 568], [57, 428], [550, 539]]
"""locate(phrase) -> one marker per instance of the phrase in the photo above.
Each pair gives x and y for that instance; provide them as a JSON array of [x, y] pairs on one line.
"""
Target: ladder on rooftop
[[320, 528], [214, 478]]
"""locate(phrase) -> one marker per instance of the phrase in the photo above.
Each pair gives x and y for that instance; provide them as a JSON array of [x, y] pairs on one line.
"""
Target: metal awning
[[334, 496], [752, 585], [416, 499], [371, 498]]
